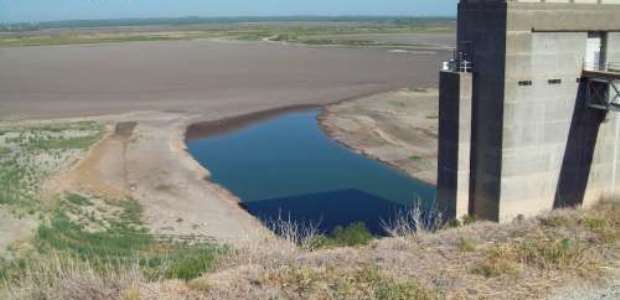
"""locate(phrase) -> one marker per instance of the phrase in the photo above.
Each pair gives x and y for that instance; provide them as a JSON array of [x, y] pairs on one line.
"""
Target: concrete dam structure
[[529, 107]]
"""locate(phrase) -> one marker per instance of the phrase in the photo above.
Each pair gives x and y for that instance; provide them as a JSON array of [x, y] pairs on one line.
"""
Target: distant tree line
[[400, 21]]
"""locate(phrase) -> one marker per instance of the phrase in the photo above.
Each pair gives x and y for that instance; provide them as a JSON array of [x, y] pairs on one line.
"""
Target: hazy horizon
[[17, 11]]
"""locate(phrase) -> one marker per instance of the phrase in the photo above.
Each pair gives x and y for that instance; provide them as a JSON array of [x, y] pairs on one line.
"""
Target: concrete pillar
[[455, 113]]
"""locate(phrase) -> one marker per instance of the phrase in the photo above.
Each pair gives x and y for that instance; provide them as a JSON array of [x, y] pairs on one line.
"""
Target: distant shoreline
[[195, 20]]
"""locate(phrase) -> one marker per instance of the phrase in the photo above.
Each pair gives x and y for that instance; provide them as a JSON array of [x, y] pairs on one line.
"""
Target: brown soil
[[203, 77]]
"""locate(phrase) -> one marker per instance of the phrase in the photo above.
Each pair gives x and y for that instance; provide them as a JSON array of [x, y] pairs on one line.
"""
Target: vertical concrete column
[[455, 116]]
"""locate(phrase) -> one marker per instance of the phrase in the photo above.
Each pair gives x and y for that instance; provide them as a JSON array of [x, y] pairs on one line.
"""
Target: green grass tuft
[[408, 290], [466, 245], [353, 235], [123, 241]]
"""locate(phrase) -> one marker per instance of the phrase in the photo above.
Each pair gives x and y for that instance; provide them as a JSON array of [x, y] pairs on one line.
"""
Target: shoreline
[[225, 125], [375, 141], [330, 131]]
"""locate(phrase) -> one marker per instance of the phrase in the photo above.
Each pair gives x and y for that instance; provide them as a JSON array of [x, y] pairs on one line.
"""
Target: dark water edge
[[283, 166]]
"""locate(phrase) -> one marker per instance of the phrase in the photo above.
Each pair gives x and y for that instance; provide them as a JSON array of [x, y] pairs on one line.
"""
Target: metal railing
[[460, 63], [613, 67], [460, 66]]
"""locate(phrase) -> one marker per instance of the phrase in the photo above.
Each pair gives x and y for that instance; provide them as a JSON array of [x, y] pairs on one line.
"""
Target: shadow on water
[[579, 152], [329, 209]]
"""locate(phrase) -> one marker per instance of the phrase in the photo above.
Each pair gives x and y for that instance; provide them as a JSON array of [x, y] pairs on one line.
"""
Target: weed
[[555, 221], [454, 223], [595, 224], [355, 234], [408, 290], [78, 200], [416, 219], [553, 253], [131, 294], [500, 260], [4, 151], [540, 252], [36, 152], [124, 241], [605, 226], [469, 219], [190, 263], [466, 245], [365, 282]]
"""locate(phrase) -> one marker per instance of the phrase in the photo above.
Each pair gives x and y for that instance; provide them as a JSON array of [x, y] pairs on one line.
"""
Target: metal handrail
[[608, 67], [460, 66]]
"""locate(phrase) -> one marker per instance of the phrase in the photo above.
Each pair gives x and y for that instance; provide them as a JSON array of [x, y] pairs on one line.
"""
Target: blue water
[[287, 166]]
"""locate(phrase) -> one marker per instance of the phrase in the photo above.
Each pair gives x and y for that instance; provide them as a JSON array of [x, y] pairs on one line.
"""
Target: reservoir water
[[288, 167]]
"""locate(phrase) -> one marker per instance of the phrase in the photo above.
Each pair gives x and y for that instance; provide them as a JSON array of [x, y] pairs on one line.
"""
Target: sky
[[49, 10]]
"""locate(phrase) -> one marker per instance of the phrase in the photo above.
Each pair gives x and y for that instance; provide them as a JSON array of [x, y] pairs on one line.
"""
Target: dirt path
[[398, 127]]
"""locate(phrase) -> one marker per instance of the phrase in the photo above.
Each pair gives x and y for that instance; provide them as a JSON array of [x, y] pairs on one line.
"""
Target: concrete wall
[[535, 144], [538, 117], [555, 150]]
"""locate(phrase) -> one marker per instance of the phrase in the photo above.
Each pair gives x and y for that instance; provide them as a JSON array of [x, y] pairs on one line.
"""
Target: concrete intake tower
[[529, 107]]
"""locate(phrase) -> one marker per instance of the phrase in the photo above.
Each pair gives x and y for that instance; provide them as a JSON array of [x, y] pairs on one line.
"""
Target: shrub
[[469, 219], [352, 235], [355, 234]]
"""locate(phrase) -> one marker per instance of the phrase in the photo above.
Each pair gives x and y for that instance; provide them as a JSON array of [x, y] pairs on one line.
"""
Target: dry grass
[[527, 259]]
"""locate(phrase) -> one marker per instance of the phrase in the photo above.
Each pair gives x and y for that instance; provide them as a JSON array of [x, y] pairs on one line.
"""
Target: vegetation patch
[[121, 239], [344, 34], [355, 234], [541, 252], [408, 290], [365, 282], [28, 155], [5, 151], [465, 244]]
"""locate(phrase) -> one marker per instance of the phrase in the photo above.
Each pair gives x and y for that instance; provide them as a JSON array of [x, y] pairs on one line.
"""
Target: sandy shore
[[399, 128]]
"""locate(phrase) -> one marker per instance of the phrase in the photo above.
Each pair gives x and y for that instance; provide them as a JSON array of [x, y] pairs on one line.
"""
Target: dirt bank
[[147, 161], [398, 128]]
